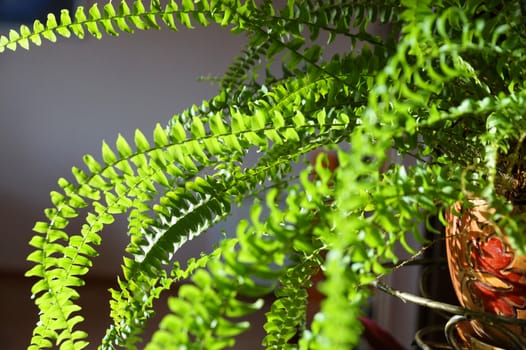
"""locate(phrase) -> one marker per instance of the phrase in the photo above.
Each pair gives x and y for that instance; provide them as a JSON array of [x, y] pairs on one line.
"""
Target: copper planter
[[487, 275]]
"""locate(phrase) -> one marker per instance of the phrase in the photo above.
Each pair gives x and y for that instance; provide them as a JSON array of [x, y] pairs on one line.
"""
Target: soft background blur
[[58, 102]]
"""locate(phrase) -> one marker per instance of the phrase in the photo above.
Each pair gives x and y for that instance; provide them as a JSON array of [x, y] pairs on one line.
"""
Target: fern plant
[[446, 87]]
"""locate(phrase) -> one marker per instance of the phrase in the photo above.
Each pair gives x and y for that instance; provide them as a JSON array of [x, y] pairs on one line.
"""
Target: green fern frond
[[249, 255], [129, 307], [160, 236], [287, 317], [275, 135], [128, 180], [111, 20], [243, 69], [204, 315], [131, 189]]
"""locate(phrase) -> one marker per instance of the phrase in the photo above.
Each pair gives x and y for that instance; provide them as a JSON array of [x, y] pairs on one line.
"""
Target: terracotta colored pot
[[486, 272]]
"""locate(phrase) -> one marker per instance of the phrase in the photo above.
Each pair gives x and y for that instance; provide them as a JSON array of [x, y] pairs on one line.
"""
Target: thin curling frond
[[296, 27]]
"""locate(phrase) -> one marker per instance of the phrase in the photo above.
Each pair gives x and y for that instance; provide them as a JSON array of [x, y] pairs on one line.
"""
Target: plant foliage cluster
[[446, 87]]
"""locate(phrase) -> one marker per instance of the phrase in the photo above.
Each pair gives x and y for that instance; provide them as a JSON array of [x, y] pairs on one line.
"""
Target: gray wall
[[60, 101]]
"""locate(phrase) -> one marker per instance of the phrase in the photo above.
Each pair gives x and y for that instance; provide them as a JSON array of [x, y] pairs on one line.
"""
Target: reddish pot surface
[[487, 274]]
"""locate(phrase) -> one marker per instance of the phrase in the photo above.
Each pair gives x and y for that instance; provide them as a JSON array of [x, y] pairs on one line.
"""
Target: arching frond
[[112, 20]]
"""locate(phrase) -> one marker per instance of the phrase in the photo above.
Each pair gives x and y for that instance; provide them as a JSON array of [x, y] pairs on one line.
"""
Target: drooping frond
[[285, 138], [203, 316], [112, 20], [130, 178], [259, 252]]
